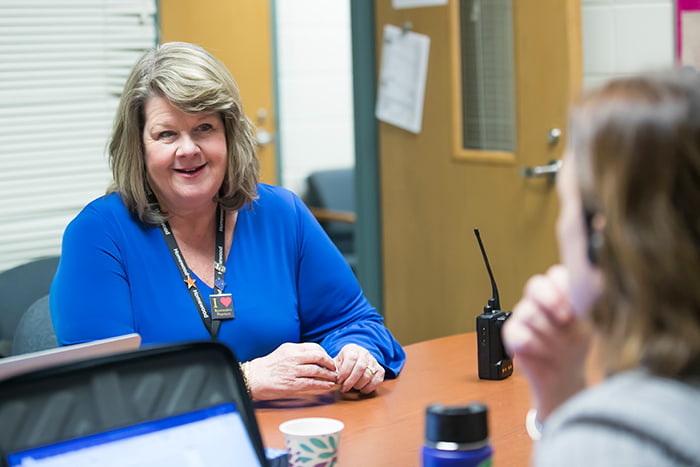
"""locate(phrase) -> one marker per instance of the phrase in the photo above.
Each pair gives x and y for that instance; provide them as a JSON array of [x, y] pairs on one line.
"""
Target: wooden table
[[388, 428]]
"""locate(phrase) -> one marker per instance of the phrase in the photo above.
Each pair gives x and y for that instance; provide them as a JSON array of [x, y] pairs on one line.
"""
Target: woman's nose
[[187, 146]]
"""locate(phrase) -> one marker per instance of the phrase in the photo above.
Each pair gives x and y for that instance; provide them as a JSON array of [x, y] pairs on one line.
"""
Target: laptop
[[180, 405], [210, 437]]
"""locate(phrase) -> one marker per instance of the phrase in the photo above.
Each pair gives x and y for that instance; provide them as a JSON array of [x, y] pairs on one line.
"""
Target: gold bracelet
[[244, 373], [533, 427]]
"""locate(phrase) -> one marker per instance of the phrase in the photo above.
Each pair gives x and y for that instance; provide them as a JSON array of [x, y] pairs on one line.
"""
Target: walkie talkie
[[494, 362]]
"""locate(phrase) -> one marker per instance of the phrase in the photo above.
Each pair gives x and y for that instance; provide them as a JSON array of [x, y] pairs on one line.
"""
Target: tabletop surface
[[387, 429]]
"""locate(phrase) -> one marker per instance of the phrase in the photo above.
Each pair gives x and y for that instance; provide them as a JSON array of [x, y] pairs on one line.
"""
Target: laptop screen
[[212, 437]]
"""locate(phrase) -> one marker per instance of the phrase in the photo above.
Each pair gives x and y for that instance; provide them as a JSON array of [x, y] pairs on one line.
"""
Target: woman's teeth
[[190, 170]]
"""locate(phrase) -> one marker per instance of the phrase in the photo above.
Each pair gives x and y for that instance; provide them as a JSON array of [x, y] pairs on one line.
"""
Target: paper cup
[[312, 441]]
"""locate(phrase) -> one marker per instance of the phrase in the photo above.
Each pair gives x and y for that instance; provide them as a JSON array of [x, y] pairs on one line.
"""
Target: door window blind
[[488, 75], [62, 68]]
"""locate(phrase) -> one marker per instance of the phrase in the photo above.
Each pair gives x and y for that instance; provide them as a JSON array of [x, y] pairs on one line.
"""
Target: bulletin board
[[688, 33]]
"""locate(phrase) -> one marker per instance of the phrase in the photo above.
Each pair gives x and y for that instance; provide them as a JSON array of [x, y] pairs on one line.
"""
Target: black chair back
[[20, 287]]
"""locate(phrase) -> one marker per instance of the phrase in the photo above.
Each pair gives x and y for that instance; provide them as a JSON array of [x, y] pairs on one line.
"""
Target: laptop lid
[[11, 366], [177, 405]]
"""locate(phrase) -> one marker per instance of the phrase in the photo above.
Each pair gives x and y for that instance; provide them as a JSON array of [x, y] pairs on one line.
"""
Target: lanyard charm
[[221, 306], [218, 267]]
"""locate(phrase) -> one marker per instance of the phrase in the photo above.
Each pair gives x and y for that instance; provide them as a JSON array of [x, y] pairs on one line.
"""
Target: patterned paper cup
[[312, 442]]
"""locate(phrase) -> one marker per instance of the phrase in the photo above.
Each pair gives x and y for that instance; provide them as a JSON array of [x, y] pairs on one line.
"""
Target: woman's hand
[[291, 370], [548, 341], [357, 369]]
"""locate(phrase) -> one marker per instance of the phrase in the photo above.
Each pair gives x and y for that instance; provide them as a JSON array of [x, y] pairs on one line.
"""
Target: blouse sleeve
[[90, 297], [333, 309]]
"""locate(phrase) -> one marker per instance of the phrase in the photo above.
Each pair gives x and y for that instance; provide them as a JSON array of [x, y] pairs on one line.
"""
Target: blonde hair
[[194, 81], [636, 144]]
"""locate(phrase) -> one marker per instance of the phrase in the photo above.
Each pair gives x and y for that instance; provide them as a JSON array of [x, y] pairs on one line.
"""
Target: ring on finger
[[372, 370]]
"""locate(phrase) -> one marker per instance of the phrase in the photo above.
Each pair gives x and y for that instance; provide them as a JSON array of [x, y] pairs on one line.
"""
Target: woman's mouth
[[190, 170]]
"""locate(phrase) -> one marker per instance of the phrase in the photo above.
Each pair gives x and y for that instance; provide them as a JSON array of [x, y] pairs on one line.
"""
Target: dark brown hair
[[636, 142]]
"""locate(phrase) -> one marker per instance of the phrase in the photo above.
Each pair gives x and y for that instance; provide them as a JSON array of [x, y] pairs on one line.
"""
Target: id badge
[[221, 306]]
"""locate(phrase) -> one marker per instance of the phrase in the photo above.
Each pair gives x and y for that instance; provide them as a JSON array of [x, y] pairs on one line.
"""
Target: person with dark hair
[[629, 243], [188, 245]]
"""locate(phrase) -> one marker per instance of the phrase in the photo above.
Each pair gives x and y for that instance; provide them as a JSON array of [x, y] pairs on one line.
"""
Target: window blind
[[63, 64], [488, 75]]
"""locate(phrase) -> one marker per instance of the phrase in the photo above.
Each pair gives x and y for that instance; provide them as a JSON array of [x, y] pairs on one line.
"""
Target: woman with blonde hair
[[629, 242], [188, 245]]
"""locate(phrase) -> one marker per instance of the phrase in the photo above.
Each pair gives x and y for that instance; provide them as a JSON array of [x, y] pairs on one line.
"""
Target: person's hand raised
[[357, 369], [291, 370], [547, 341]]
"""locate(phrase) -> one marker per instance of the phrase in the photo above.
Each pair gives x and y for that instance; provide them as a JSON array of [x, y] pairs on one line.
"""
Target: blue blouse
[[288, 280]]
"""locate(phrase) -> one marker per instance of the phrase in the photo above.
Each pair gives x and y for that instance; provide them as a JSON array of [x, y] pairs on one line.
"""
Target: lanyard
[[221, 303]]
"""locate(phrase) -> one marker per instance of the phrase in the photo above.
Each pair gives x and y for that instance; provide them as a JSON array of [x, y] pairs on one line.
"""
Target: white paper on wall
[[402, 75], [690, 27]]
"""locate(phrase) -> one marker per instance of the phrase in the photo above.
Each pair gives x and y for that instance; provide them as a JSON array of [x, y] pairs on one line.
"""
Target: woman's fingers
[[549, 292], [358, 369], [547, 340], [306, 353], [292, 369]]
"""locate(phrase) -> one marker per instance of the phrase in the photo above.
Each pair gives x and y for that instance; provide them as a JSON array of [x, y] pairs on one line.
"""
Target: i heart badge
[[221, 306]]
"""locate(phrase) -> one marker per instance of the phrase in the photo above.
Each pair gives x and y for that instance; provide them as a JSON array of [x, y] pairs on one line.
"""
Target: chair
[[20, 287], [35, 330], [330, 195]]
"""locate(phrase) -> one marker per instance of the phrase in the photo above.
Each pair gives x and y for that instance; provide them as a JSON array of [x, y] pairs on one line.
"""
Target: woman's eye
[[166, 134], [204, 127]]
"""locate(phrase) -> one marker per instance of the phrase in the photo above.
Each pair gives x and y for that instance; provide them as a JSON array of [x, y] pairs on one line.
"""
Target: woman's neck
[[193, 227], [196, 238]]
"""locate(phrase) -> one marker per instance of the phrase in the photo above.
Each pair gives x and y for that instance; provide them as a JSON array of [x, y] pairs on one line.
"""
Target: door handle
[[263, 137], [550, 171]]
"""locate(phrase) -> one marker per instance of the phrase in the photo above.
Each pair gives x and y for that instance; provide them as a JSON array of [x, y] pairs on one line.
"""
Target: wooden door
[[239, 34], [433, 193]]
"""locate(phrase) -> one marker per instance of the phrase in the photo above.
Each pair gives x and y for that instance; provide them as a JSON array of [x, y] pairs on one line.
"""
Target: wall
[[625, 36], [315, 88], [315, 82]]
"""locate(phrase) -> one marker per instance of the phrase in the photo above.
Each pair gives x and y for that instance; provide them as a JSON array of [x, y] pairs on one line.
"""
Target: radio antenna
[[494, 302]]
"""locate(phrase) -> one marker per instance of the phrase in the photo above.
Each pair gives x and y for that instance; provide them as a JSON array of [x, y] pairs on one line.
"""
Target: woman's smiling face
[[185, 156]]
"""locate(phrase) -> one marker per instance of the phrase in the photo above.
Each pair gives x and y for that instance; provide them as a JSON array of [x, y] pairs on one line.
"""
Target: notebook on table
[[177, 405]]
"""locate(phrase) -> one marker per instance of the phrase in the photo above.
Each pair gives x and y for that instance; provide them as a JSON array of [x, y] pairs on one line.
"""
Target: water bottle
[[456, 436]]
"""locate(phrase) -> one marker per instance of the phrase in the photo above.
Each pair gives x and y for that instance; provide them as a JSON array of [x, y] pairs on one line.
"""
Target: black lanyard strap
[[212, 325]]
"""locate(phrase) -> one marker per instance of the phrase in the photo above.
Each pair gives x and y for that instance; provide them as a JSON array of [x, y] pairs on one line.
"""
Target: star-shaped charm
[[190, 282]]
